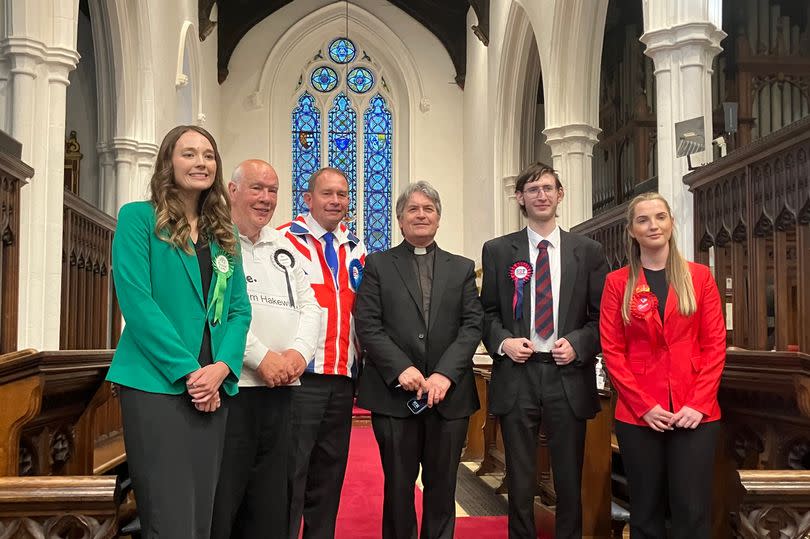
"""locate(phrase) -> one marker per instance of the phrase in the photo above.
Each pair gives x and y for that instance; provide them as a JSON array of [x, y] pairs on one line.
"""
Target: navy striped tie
[[543, 302]]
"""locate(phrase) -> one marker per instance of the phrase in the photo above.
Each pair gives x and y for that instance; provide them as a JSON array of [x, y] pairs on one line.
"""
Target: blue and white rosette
[[355, 273]]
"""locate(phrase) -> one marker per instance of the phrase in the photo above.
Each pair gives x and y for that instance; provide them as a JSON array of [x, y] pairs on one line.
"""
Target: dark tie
[[543, 302], [330, 254]]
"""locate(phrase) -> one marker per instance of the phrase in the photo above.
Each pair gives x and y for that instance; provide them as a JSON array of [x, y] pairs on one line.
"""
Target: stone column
[[682, 50], [38, 80], [571, 153], [125, 151]]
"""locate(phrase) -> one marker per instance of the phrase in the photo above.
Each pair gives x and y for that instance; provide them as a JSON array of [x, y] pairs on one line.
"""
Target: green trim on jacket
[[159, 290]]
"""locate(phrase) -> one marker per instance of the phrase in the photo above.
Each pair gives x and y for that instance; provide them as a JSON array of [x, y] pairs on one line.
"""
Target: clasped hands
[[203, 386], [520, 349], [281, 369], [660, 420], [435, 386]]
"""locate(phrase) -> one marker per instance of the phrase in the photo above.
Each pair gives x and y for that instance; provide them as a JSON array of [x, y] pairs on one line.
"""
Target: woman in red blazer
[[664, 346]]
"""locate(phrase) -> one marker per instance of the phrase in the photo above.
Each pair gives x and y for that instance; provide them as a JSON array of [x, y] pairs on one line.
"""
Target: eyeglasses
[[534, 190]]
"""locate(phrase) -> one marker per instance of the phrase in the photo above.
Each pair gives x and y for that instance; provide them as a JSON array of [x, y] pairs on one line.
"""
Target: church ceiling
[[446, 19]]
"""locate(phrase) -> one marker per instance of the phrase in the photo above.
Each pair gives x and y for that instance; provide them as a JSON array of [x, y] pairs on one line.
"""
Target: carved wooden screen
[[752, 223], [90, 318], [624, 159], [764, 66], [73, 160], [12, 177]]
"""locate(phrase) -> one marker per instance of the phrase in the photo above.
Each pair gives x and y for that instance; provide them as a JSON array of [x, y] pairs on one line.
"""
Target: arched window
[[347, 83]]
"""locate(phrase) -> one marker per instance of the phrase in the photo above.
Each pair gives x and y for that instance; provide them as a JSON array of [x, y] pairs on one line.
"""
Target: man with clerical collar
[[540, 292], [251, 496], [332, 257], [419, 321]]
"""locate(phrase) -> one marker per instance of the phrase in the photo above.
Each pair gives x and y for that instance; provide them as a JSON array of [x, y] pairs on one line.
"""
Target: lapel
[[403, 265], [193, 268], [520, 251], [441, 274], [568, 277]]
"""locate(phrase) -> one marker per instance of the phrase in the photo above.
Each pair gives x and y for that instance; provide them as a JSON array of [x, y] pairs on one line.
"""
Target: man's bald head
[[252, 168], [253, 191]]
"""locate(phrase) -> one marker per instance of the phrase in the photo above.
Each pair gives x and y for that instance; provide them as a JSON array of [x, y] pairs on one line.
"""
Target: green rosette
[[223, 269]]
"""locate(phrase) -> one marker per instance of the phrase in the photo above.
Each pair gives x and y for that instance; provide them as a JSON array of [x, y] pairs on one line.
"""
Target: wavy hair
[[214, 208], [677, 268]]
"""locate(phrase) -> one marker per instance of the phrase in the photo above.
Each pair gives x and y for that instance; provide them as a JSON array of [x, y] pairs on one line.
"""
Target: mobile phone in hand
[[417, 406]]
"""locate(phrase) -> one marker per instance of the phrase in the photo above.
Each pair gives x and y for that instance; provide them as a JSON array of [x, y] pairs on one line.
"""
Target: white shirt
[[545, 345], [279, 322]]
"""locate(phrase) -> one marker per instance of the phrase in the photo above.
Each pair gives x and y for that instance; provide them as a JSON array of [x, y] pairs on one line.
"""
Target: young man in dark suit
[[419, 319], [541, 292]]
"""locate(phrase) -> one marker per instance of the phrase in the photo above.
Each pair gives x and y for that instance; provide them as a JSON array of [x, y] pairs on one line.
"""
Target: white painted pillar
[[682, 44], [38, 83], [106, 179], [571, 153], [125, 151]]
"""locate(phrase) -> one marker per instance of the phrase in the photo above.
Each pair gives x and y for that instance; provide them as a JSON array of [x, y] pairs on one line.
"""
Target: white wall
[[428, 108], [82, 115]]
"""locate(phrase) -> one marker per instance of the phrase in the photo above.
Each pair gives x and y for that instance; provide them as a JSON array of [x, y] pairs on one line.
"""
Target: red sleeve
[[712, 340], [614, 350]]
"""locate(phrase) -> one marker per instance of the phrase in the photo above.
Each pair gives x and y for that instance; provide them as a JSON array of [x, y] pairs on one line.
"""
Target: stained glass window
[[306, 147], [355, 97], [342, 50], [343, 147], [360, 80], [378, 172], [324, 79]]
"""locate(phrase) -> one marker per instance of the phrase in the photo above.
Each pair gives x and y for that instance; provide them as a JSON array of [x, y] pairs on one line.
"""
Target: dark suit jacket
[[582, 277], [390, 325]]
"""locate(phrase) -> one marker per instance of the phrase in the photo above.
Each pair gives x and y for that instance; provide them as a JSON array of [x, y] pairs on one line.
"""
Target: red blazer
[[650, 363]]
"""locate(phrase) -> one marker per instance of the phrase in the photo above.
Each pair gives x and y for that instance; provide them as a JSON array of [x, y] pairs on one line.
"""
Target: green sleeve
[[154, 333]]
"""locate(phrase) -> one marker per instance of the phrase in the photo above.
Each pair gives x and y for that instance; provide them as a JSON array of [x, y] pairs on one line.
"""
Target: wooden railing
[[90, 315], [773, 504], [609, 230], [752, 211], [13, 174], [58, 507], [762, 473]]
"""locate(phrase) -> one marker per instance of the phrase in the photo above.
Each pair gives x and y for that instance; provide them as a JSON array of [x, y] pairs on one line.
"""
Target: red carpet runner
[[360, 515]]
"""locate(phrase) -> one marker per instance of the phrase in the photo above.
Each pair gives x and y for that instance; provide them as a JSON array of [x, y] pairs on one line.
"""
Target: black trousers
[[405, 443], [251, 498], [541, 398], [321, 426], [679, 463], [174, 454]]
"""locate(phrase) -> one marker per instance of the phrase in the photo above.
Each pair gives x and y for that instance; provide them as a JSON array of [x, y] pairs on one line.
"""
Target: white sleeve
[[254, 351]]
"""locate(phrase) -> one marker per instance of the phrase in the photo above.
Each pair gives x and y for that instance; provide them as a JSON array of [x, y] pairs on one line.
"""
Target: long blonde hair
[[677, 269], [214, 208]]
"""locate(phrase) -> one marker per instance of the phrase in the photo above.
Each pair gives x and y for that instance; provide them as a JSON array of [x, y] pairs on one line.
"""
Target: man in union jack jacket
[[333, 258]]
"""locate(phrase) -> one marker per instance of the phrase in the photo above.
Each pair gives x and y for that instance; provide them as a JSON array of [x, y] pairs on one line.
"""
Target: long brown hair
[[214, 208], [677, 269]]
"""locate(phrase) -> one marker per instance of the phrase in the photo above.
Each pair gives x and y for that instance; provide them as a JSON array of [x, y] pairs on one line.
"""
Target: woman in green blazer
[[180, 284]]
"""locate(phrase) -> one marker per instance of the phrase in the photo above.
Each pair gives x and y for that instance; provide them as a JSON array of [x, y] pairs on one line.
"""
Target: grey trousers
[[174, 454]]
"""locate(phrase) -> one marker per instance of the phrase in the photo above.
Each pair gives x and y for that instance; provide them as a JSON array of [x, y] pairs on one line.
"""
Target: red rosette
[[520, 271], [643, 303]]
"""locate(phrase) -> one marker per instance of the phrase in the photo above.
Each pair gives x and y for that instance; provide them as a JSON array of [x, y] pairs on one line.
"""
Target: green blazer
[[160, 293]]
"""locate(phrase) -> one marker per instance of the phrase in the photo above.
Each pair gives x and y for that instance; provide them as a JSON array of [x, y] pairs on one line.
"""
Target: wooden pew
[[56, 507], [55, 407]]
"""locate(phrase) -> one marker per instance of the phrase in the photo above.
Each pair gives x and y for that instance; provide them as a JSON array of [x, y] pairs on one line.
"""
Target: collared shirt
[[284, 317], [337, 349], [534, 239]]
